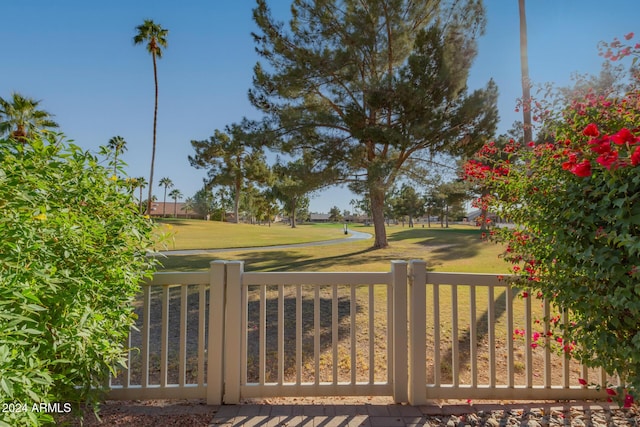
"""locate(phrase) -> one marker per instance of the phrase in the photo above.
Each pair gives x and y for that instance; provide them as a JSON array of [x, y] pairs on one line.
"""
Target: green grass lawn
[[196, 234], [458, 248]]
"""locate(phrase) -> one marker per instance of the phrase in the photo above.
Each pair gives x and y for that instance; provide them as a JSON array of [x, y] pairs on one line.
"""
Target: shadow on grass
[[437, 246], [286, 261], [270, 260], [464, 342], [446, 244], [290, 337]]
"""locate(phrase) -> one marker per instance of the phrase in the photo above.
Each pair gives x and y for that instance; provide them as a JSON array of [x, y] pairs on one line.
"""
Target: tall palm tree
[[166, 183], [175, 194], [118, 145], [526, 84], [156, 38], [20, 117]]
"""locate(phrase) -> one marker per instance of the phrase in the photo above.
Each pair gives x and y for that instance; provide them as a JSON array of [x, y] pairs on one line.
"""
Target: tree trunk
[[20, 134], [236, 203], [164, 203], [524, 65], [238, 187], [294, 206], [155, 120], [140, 201], [446, 215], [377, 213]]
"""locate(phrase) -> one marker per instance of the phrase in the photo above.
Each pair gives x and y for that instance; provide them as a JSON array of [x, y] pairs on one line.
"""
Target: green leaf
[[6, 386]]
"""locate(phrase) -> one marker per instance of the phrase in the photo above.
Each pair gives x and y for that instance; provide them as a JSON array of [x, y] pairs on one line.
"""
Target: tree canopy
[[295, 180], [231, 159], [20, 117], [365, 86]]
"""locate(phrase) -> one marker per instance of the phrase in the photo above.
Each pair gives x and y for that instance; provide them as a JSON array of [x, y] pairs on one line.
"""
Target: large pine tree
[[365, 86]]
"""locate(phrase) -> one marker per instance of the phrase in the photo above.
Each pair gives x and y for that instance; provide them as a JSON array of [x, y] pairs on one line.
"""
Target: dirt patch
[[188, 413]]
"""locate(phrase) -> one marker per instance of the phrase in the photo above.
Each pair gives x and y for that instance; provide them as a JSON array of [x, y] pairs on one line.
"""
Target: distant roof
[[318, 216], [159, 207]]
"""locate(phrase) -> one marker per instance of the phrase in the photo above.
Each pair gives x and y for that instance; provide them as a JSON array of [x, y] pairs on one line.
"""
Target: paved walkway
[[448, 415], [318, 415], [353, 235]]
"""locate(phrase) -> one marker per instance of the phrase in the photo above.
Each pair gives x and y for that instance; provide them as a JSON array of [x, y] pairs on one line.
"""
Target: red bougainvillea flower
[[582, 169], [611, 392], [582, 381], [628, 401], [635, 157], [573, 159], [628, 36], [607, 159], [624, 136], [591, 130], [600, 146]]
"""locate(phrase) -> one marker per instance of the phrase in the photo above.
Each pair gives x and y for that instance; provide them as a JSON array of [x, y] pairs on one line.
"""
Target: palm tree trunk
[[155, 120], [524, 65], [164, 203], [140, 200]]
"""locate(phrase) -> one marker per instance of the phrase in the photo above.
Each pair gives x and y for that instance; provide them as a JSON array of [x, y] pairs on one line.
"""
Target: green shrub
[[72, 254], [575, 202]]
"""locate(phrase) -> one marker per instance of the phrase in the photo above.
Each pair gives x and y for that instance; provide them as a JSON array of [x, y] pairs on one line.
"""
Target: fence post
[[417, 328], [215, 347], [234, 335], [399, 342]]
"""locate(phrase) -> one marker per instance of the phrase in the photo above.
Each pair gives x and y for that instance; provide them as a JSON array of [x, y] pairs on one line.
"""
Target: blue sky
[[78, 57]]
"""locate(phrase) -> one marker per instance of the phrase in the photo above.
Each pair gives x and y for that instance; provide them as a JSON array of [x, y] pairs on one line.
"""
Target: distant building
[[319, 217], [160, 209]]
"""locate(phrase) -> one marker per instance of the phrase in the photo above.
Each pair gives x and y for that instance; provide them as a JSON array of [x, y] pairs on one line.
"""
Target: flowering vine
[[574, 202]]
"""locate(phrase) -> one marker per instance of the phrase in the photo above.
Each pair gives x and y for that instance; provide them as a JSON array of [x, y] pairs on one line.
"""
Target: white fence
[[415, 335]]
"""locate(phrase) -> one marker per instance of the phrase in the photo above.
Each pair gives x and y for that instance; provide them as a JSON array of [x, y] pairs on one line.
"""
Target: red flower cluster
[[582, 169], [478, 170], [616, 50], [607, 147]]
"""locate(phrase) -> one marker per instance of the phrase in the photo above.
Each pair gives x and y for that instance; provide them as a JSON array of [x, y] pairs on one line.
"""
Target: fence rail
[[227, 334]]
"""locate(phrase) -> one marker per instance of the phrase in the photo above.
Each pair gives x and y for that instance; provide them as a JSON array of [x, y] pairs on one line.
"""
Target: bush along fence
[[415, 335]]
